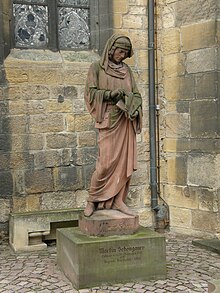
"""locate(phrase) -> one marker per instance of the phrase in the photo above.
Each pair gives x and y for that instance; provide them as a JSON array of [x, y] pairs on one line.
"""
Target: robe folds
[[117, 128]]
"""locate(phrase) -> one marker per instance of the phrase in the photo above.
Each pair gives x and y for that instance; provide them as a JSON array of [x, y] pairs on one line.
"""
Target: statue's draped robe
[[117, 157]]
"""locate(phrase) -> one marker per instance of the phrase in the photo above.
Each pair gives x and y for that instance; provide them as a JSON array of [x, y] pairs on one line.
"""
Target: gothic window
[[60, 24]]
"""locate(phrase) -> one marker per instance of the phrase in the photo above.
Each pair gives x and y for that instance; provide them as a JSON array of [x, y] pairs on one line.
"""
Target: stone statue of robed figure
[[113, 100]]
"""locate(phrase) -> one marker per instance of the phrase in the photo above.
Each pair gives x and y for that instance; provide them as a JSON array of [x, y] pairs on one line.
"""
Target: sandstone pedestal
[[89, 261], [107, 223]]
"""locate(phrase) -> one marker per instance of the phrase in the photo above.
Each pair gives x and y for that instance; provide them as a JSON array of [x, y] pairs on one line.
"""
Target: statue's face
[[119, 55]]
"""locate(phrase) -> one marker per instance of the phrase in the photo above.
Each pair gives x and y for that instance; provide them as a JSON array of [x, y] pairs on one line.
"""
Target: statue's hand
[[117, 94]]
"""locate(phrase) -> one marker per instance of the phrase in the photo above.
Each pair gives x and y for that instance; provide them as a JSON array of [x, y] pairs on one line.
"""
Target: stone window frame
[[100, 24]]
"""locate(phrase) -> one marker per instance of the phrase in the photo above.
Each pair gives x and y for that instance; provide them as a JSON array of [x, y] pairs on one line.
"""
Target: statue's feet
[[90, 208], [122, 208]]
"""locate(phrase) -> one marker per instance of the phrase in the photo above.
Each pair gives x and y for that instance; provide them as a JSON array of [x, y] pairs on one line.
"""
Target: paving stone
[[189, 269]]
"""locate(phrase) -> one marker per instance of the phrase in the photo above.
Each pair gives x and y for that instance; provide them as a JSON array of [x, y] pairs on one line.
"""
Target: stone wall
[[189, 42], [48, 141]]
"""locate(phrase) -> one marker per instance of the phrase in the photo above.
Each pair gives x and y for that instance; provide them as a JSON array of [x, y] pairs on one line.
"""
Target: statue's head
[[120, 49]]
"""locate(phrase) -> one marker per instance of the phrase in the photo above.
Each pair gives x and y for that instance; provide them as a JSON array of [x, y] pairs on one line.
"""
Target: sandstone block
[[70, 122], [171, 41], [5, 210], [174, 65], [36, 107], [61, 140], [81, 198], [203, 35], [141, 175], [32, 203], [177, 88], [204, 118], [201, 60], [177, 170], [86, 139], [197, 167], [86, 155], [40, 75], [22, 160], [205, 221], [206, 85], [120, 6], [178, 125], [208, 200], [87, 174], [14, 124], [16, 75], [58, 200], [142, 56], [45, 159], [75, 77], [46, 123], [117, 19], [83, 122], [35, 92], [6, 186], [181, 196], [188, 12], [68, 178], [180, 217], [132, 22], [107, 223], [54, 106], [17, 107], [37, 181], [172, 145]]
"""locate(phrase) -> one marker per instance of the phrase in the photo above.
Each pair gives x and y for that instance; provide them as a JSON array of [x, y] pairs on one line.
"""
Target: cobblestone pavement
[[189, 268]]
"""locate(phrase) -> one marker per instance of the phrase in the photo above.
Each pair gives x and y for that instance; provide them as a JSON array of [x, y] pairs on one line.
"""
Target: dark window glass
[[54, 24], [61, 24]]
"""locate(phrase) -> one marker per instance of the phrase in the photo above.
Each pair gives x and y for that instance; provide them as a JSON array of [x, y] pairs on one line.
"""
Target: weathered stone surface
[[83, 122], [46, 123], [58, 200], [107, 223], [4, 210], [177, 170], [14, 124], [68, 178], [205, 221], [190, 11], [206, 85], [182, 197], [110, 259], [56, 106], [178, 125], [201, 60], [45, 159], [86, 139], [180, 217], [174, 65], [171, 41], [203, 35], [61, 140], [203, 118], [197, 170], [172, 145], [38, 181], [178, 88]]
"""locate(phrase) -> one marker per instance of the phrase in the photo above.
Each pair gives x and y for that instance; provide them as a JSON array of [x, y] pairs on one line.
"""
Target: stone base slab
[[89, 261], [27, 230], [107, 223]]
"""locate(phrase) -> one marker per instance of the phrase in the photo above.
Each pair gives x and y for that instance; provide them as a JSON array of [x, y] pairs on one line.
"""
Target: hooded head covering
[[115, 41]]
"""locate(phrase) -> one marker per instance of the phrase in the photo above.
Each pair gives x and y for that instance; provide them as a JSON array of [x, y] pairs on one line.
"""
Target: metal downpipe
[[152, 105]]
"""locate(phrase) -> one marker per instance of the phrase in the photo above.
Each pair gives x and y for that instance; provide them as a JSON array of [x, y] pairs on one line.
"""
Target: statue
[[113, 100]]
